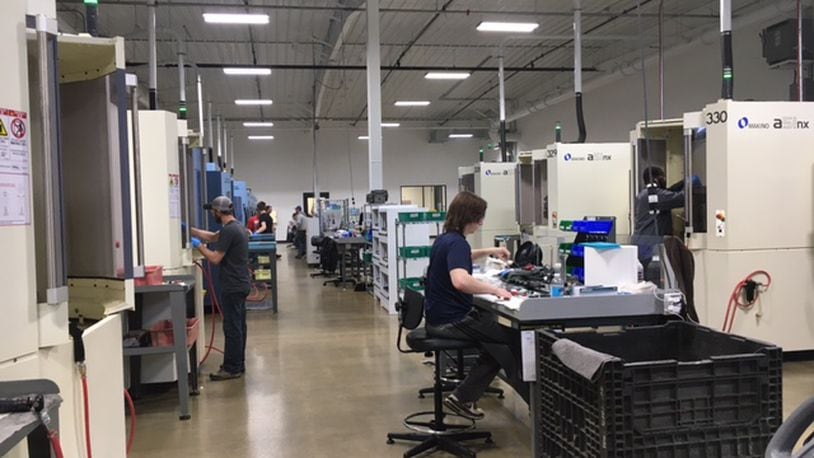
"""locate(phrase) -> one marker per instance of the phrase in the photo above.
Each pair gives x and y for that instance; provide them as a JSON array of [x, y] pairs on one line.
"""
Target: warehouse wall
[[692, 80], [279, 171]]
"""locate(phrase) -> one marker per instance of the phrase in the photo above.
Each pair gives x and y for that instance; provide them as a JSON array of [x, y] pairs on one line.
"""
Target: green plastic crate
[[566, 225], [411, 283], [411, 217], [414, 252], [565, 248]]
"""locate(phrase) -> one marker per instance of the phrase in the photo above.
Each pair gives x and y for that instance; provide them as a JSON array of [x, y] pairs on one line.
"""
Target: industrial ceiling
[[316, 49]]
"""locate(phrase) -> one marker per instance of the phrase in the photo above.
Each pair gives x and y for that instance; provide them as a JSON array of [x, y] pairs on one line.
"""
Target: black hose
[[580, 120], [728, 77]]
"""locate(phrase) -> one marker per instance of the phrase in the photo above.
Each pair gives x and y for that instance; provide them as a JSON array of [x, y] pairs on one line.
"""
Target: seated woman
[[450, 312]]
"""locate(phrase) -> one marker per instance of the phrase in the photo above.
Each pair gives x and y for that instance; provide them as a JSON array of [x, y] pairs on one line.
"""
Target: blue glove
[[196, 242], [696, 181]]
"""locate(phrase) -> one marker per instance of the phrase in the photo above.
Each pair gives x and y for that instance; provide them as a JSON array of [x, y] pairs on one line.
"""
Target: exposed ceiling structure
[[316, 49]]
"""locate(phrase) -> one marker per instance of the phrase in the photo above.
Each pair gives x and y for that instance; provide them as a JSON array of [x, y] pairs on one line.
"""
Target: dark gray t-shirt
[[234, 268]]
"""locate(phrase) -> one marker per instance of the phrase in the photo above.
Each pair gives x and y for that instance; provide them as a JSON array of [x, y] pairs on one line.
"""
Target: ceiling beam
[[397, 68], [456, 11]]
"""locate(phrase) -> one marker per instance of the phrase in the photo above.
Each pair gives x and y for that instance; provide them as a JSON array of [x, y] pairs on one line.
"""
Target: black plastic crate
[[676, 390]]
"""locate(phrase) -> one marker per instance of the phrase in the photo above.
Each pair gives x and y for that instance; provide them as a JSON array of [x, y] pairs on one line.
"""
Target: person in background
[[291, 233], [266, 225], [254, 221], [229, 249], [450, 313], [300, 241]]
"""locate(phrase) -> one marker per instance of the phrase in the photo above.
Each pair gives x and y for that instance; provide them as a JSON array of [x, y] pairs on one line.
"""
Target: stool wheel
[[421, 396], [489, 440], [390, 441]]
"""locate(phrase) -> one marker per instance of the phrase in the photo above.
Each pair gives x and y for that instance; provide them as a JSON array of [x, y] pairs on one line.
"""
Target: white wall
[[692, 80], [280, 170]]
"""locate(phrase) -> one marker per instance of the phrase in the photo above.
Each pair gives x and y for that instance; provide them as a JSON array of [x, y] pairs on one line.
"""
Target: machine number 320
[[717, 117]]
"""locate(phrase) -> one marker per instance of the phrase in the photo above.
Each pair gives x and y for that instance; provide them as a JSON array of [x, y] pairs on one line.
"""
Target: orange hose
[[215, 308]]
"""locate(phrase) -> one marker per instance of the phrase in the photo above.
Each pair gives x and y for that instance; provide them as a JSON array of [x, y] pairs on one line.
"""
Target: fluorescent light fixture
[[227, 18], [261, 137], [363, 137], [253, 102], [447, 75], [412, 103], [258, 124], [391, 124], [518, 27], [247, 71], [461, 135]]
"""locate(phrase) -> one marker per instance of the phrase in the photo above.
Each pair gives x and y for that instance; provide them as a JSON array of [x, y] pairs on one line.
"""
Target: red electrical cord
[[216, 308], [734, 298], [55, 445], [86, 401], [132, 407]]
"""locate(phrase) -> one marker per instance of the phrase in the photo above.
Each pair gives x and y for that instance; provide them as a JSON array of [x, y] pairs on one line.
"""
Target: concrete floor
[[324, 379]]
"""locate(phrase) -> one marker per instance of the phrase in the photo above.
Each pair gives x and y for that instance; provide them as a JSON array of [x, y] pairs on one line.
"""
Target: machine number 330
[[717, 117]]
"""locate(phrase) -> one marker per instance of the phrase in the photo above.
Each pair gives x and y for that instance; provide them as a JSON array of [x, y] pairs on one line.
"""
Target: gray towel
[[582, 360]]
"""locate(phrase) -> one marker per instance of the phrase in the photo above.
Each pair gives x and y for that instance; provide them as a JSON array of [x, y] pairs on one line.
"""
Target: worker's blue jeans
[[234, 332]]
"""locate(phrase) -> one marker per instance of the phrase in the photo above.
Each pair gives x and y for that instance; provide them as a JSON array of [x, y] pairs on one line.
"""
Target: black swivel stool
[[437, 434]]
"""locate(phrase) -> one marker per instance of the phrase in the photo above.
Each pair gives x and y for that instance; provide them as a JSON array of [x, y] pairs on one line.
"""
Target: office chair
[[436, 434]]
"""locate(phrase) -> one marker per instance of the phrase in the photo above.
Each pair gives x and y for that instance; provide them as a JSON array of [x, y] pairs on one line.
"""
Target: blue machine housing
[[241, 201]]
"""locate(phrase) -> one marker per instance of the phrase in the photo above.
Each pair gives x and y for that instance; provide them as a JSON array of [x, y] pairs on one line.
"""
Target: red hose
[[734, 299], [55, 445], [216, 308], [132, 437], [86, 402]]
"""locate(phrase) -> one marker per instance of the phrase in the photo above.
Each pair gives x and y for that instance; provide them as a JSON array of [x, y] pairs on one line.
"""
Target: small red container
[[161, 333], [153, 275]]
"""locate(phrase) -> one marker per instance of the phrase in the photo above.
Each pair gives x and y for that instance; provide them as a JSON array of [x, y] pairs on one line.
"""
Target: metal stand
[[186, 356]]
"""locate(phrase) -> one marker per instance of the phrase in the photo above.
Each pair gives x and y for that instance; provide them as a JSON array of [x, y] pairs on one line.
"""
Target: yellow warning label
[[3, 131]]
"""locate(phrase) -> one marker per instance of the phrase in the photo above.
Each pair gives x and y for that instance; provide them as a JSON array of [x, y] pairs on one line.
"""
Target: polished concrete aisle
[[324, 380]]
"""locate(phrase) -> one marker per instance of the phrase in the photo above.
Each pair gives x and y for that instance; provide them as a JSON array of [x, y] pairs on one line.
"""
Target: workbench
[[529, 314], [16, 427], [177, 295], [351, 265]]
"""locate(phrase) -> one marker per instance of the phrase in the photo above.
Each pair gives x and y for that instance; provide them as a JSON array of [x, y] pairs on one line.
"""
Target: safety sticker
[[15, 160]]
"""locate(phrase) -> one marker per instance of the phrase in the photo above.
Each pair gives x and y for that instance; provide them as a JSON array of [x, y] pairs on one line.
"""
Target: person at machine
[[254, 221], [653, 217], [449, 309], [300, 241], [229, 248]]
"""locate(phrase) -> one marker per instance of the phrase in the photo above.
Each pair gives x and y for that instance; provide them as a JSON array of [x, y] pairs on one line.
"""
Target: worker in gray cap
[[228, 248]]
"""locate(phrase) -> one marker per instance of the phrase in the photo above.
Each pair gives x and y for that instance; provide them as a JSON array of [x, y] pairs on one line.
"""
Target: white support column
[[374, 97]]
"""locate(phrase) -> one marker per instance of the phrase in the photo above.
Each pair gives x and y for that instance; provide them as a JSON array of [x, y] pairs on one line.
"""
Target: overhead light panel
[[447, 75], [229, 18], [261, 137], [391, 124], [258, 124], [461, 135], [516, 27], [247, 71], [253, 102], [412, 103], [363, 137]]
